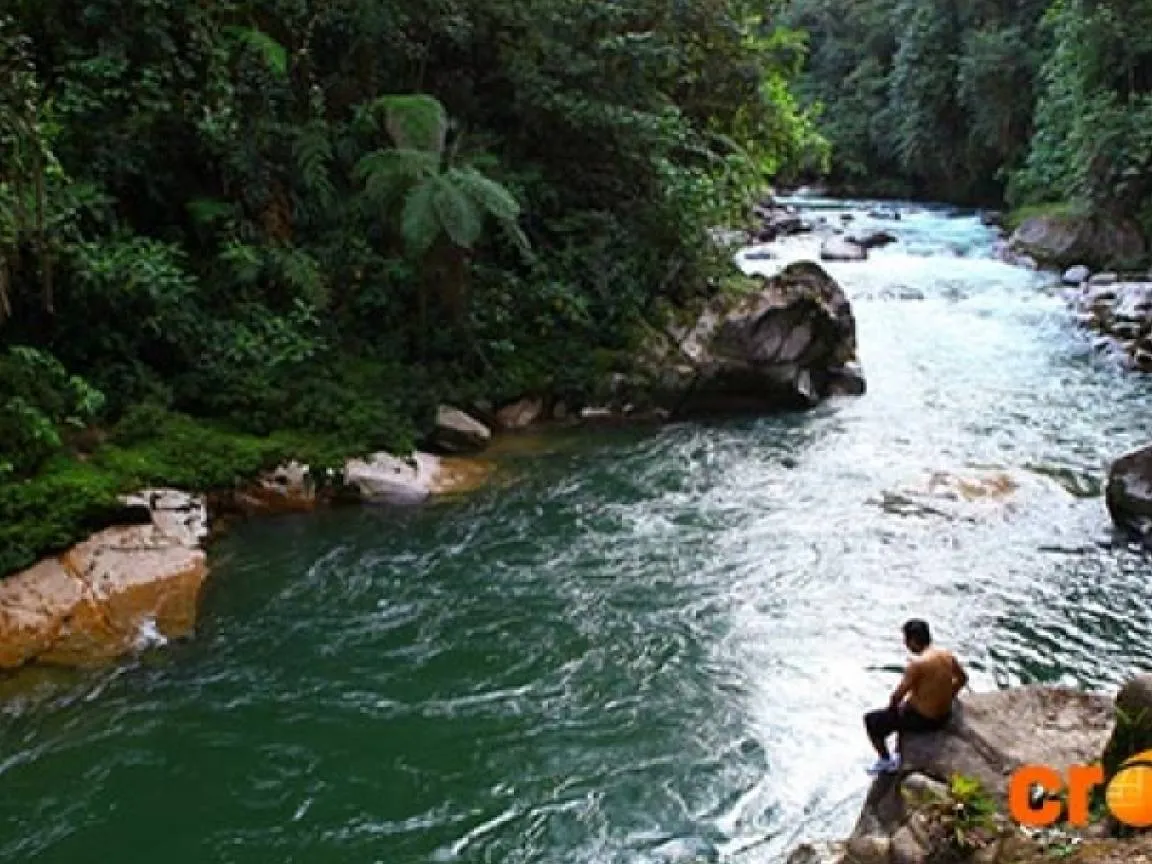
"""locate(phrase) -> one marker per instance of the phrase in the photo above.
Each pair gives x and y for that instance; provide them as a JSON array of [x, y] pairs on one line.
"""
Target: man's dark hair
[[917, 631]]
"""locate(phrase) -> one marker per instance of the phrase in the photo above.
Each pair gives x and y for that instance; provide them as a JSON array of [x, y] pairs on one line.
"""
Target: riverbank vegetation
[[235, 231], [1038, 102]]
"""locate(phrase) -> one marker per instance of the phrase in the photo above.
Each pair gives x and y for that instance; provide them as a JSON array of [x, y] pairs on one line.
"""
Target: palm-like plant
[[442, 203]]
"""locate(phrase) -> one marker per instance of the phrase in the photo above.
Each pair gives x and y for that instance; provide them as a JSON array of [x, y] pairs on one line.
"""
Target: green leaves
[[271, 52], [413, 121]]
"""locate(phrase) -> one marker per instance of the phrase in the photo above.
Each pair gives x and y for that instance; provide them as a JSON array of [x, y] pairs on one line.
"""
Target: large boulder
[[989, 737], [788, 346], [1133, 731], [457, 432], [1066, 239], [121, 589], [872, 239], [842, 249], [1129, 492], [383, 478]]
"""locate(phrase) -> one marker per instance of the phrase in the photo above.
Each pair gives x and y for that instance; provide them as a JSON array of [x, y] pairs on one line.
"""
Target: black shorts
[[885, 721]]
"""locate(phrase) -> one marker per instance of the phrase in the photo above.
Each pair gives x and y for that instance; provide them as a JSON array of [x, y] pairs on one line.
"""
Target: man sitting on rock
[[922, 702]]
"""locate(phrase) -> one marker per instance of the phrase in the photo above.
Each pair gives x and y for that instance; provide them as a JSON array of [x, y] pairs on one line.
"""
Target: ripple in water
[[650, 646]]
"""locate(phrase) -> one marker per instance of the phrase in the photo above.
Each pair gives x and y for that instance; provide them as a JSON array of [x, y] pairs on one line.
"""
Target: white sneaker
[[885, 766]]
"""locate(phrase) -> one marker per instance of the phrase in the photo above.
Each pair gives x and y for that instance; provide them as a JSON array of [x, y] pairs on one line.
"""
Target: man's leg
[[879, 725]]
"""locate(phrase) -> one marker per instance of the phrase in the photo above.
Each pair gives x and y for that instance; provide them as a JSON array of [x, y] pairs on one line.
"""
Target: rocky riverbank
[[789, 343], [948, 804]]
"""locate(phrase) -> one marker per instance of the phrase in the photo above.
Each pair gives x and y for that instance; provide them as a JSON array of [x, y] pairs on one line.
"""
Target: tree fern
[[418, 222], [386, 174], [414, 121], [313, 153], [457, 212], [490, 195], [273, 54]]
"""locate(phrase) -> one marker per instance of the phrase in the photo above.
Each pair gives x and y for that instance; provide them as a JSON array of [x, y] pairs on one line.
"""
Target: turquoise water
[[638, 645]]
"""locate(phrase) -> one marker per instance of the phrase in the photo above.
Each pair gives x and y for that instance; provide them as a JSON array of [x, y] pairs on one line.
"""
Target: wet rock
[[842, 249], [1133, 732], [1062, 240], [890, 213], [872, 239], [291, 488], [778, 349], [457, 432], [910, 294], [96, 601], [521, 414], [816, 853], [383, 478], [907, 848], [868, 849], [992, 219], [1129, 493], [1103, 279], [1076, 275], [759, 255]]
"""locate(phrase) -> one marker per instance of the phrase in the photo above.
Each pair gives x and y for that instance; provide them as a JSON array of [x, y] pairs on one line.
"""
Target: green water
[[638, 645]]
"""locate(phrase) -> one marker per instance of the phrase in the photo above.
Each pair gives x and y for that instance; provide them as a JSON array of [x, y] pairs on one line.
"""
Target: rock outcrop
[[1066, 239], [291, 488], [842, 249], [1121, 312], [384, 478], [872, 239], [119, 590], [457, 432], [1129, 493], [990, 736], [520, 414], [788, 346]]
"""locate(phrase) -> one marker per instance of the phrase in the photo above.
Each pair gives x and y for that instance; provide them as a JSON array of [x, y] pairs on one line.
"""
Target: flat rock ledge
[[120, 590], [904, 819]]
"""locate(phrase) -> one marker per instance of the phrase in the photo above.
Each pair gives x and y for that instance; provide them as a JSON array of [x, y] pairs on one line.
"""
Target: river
[[637, 644]]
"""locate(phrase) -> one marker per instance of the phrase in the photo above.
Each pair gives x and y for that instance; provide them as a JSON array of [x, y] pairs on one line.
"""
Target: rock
[[884, 213], [180, 515], [108, 596], [847, 380], [906, 293], [521, 414], [1133, 732], [906, 848], [291, 488], [1129, 493], [1104, 279], [1076, 275], [382, 478], [781, 348], [992, 219], [868, 849], [922, 787], [816, 853], [759, 255], [841, 249], [1062, 240], [872, 239], [990, 735], [457, 432]]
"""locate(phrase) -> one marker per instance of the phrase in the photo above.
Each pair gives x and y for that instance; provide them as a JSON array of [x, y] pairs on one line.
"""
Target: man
[[922, 702]]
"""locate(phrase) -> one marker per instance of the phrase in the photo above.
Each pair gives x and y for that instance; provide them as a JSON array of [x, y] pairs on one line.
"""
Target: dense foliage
[[270, 216], [1042, 101]]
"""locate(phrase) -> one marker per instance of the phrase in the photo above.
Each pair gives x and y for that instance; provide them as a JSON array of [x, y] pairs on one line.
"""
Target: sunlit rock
[[92, 603]]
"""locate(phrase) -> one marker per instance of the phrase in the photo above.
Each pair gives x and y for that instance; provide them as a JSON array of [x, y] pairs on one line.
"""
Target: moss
[[1020, 215], [72, 497]]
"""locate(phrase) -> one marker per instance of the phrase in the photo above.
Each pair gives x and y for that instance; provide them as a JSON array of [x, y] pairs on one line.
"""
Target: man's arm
[[959, 677], [907, 683]]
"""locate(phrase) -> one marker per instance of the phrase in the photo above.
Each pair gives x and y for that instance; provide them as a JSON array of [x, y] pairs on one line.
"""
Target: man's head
[[916, 635]]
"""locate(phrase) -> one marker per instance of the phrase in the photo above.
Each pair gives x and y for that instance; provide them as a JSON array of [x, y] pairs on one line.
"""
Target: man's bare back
[[931, 681], [923, 700]]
